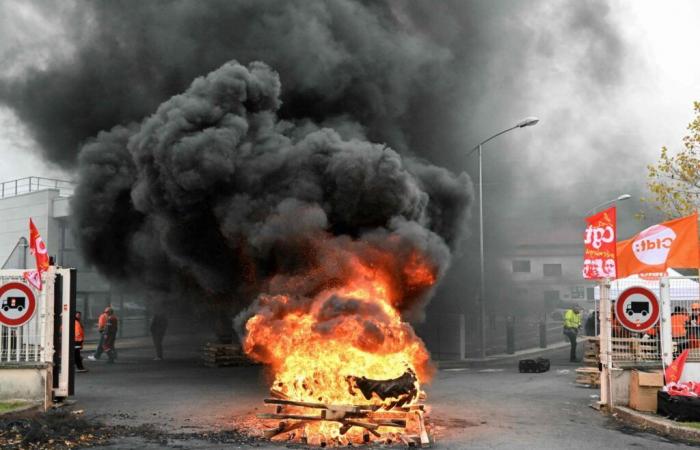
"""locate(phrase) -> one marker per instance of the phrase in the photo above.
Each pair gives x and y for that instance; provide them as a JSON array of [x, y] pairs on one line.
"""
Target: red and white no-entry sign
[[637, 309], [17, 304]]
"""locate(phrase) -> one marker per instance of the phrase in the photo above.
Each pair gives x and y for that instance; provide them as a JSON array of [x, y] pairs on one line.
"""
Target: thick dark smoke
[[214, 193], [429, 79], [337, 59]]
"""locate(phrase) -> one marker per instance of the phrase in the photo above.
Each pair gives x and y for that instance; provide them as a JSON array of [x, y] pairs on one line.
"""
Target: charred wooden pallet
[[372, 419], [224, 355]]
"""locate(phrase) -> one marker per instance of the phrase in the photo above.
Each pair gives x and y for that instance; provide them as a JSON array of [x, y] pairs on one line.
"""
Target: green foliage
[[9, 406], [674, 182]]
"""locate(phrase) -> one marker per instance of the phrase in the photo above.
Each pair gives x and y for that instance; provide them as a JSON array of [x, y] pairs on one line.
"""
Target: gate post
[[462, 338], [665, 325], [605, 343]]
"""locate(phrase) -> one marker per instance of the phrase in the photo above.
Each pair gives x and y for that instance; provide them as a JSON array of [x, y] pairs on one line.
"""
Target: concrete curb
[[660, 425], [504, 357]]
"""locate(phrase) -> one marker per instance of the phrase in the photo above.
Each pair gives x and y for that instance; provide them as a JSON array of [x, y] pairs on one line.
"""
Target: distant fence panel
[[685, 316], [25, 344], [643, 348]]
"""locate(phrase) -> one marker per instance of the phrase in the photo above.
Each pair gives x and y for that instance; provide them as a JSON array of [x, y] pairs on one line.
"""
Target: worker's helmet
[[695, 306]]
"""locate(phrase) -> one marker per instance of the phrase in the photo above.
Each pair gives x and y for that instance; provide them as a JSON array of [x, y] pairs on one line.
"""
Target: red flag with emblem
[[38, 248], [41, 255], [675, 370]]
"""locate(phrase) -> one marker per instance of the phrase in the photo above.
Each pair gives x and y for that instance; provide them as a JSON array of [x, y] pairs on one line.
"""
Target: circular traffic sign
[[17, 304], [637, 309]]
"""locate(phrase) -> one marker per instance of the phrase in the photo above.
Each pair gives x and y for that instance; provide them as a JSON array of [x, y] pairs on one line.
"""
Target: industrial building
[[47, 202]]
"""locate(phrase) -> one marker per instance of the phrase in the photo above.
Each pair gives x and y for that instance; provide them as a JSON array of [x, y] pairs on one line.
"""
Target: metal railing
[[630, 348], [27, 185], [633, 349], [685, 316], [28, 343]]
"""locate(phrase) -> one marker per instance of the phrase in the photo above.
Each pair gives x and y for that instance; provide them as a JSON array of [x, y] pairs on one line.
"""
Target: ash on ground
[[62, 429]]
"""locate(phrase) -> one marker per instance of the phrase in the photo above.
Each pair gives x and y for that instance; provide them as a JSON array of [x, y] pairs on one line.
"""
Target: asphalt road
[[492, 407]]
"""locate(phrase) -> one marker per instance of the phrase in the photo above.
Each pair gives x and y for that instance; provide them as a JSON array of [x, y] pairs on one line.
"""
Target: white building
[[47, 202]]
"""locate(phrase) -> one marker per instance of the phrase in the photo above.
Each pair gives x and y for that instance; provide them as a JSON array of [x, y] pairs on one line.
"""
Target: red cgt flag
[[675, 370], [41, 254], [599, 258], [669, 244]]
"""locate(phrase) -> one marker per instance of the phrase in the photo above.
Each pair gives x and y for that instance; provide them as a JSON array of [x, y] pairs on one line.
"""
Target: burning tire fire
[[346, 367]]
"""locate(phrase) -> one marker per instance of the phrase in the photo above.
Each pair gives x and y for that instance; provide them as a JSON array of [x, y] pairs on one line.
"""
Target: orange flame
[[353, 328]]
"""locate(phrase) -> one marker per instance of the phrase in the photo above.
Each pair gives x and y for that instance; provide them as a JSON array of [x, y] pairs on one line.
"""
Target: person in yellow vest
[[572, 325]]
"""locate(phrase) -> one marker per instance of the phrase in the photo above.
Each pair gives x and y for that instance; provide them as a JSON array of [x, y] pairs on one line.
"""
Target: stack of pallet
[[589, 374], [379, 425], [223, 355]]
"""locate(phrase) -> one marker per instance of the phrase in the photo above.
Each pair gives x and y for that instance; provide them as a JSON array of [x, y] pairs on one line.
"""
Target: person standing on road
[[159, 324], [78, 343], [572, 325], [110, 335], [101, 323]]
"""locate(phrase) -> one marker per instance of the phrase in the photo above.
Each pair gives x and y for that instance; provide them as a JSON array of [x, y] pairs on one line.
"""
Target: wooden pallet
[[224, 355], [588, 376], [295, 415]]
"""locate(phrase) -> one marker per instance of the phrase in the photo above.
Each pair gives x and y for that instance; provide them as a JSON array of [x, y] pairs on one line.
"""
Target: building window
[[521, 266], [577, 292], [520, 293], [590, 293], [551, 270], [552, 299], [551, 296]]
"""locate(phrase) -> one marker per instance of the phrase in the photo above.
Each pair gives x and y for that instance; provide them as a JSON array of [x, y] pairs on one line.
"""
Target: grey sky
[[654, 101]]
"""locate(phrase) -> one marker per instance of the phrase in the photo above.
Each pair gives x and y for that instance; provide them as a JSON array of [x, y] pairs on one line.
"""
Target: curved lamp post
[[526, 122], [616, 199]]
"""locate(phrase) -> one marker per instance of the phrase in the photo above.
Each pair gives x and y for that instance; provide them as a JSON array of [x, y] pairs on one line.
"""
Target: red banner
[[600, 256], [41, 254], [669, 244]]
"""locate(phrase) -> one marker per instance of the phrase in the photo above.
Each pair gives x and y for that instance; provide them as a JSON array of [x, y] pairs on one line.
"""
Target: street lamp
[[616, 199], [526, 122]]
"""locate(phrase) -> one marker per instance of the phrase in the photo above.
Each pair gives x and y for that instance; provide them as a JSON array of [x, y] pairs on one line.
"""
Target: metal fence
[[630, 348], [26, 344], [26, 185], [685, 316], [644, 348]]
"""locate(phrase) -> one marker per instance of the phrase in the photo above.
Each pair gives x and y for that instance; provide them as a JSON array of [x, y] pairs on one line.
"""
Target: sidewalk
[[658, 424], [533, 352]]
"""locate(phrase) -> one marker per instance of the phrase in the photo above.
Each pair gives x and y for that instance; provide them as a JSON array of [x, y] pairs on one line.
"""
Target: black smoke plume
[[215, 196], [430, 79]]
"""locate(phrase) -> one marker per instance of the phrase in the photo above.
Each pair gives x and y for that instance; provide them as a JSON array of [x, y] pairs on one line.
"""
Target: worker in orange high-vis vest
[[679, 328], [78, 343], [101, 324]]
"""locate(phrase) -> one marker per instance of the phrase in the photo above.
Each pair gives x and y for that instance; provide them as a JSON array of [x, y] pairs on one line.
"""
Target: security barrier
[[36, 336], [31, 342]]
